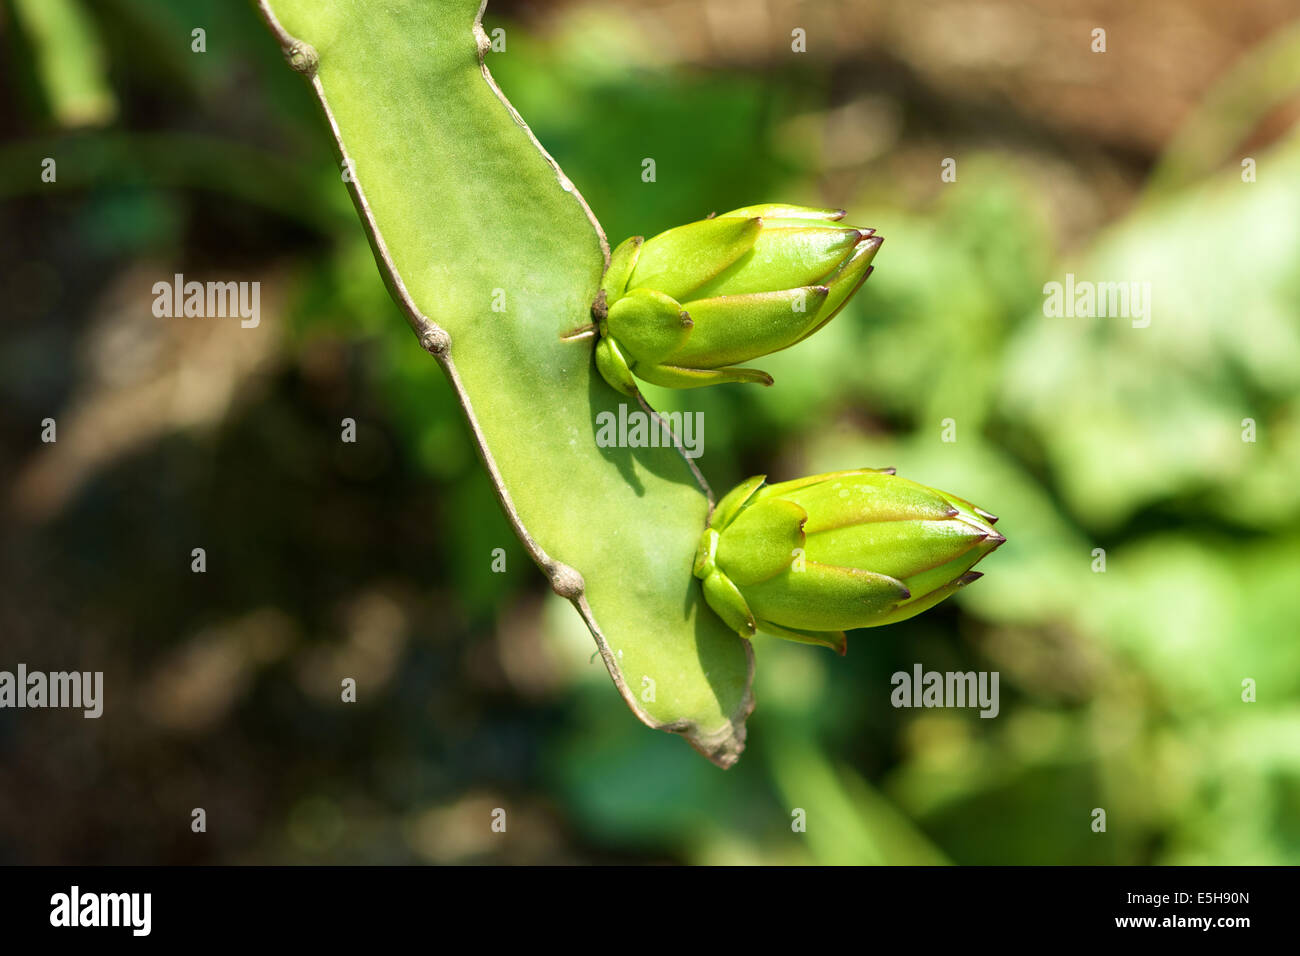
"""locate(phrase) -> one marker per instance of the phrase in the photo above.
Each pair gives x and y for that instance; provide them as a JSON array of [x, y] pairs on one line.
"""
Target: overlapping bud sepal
[[682, 309], [811, 558]]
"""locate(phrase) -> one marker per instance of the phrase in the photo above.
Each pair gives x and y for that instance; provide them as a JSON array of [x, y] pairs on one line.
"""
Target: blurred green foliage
[[1120, 690]]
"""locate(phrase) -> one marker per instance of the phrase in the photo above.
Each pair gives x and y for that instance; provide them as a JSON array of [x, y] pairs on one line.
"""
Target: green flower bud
[[681, 309], [808, 559]]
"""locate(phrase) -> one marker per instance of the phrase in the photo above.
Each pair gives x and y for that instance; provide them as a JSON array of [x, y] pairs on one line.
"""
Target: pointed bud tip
[[969, 577], [990, 518]]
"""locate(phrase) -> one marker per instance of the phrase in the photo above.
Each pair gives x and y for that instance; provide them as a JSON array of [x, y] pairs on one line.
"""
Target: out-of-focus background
[[1171, 158]]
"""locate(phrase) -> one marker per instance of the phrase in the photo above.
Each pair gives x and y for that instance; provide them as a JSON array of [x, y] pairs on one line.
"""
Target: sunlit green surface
[[496, 251]]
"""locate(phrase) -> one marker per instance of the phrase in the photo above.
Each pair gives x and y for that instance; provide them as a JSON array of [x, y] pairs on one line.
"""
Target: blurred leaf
[[1130, 416], [1264, 79], [69, 60]]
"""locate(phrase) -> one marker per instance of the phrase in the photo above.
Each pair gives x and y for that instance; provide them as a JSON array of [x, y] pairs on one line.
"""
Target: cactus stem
[[677, 443]]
